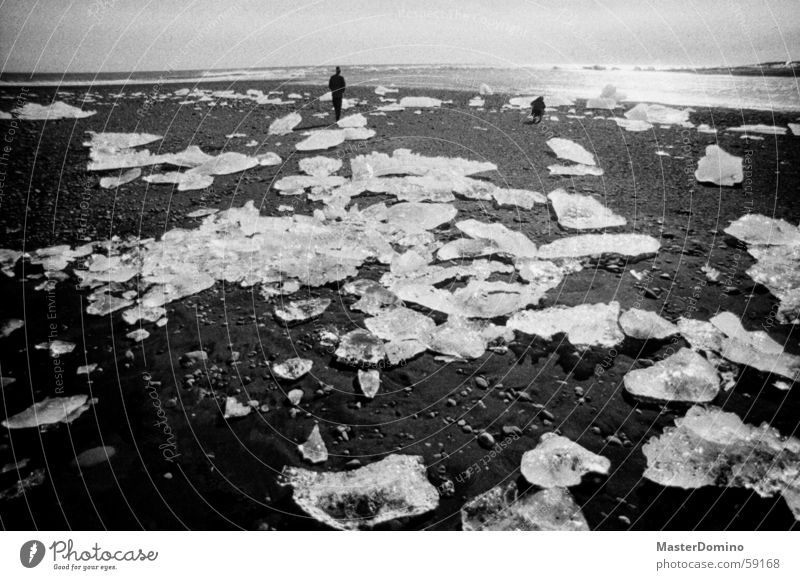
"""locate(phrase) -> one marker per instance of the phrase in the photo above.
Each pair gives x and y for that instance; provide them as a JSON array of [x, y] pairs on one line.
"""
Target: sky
[[145, 35]]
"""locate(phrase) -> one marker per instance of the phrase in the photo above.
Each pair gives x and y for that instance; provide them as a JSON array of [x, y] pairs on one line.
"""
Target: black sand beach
[[180, 465]]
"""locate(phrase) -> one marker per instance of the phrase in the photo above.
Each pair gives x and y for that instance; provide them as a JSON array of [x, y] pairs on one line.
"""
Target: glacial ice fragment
[[559, 462]]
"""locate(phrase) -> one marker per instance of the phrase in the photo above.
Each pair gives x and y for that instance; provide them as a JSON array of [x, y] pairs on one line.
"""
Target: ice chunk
[[684, 377], [234, 409], [381, 90], [485, 89], [571, 151], [226, 163], [558, 462], [122, 179], [292, 369], [200, 213], [187, 181], [756, 229], [269, 159], [478, 299], [503, 508], [467, 248], [584, 324], [794, 128], [321, 140], [49, 411], [285, 124], [412, 216], [520, 198], [404, 162], [760, 128], [320, 166], [659, 114], [754, 348], [609, 99], [302, 310], [314, 450], [370, 382], [57, 348], [507, 241], [395, 487], [119, 141], [712, 447], [10, 325], [360, 348], [634, 245], [582, 212], [476, 102], [352, 121], [632, 125], [719, 167], [137, 335], [400, 323], [466, 339], [53, 111], [646, 325], [578, 169], [420, 102], [374, 297]]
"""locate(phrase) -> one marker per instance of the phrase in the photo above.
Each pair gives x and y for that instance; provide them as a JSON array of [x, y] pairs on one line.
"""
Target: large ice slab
[[395, 487], [719, 167], [49, 411], [404, 162], [646, 325], [710, 447], [582, 212], [571, 151], [659, 115], [285, 125], [684, 377], [52, 112], [633, 245], [505, 240], [584, 325], [559, 462], [503, 508]]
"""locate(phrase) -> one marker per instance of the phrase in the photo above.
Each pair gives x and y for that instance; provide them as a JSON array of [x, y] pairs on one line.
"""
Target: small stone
[[295, 396], [485, 440]]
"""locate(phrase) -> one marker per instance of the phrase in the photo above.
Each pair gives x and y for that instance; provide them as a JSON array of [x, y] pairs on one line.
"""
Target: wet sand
[[225, 475]]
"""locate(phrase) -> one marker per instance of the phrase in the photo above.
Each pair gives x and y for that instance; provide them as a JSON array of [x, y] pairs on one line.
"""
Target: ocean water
[[672, 88]]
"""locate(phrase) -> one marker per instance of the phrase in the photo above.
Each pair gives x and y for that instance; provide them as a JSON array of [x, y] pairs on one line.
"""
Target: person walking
[[337, 86]]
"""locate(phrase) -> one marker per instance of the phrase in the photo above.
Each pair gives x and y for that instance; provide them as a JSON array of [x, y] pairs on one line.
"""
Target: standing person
[[537, 109], [337, 86]]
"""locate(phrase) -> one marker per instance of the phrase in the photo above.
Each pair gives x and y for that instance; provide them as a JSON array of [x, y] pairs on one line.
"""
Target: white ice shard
[[318, 140], [719, 167], [420, 102], [292, 369], [478, 299], [314, 449], [584, 324], [559, 462], [285, 125], [269, 159], [106, 304], [54, 111], [119, 141], [381, 90], [760, 128], [476, 102], [57, 348], [658, 114], [757, 229], [461, 338], [186, 181], [633, 245], [507, 241], [684, 377], [234, 409], [485, 89], [123, 178], [520, 198], [543, 274], [755, 348], [360, 348], [352, 121], [296, 184], [374, 298], [395, 487], [467, 248], [646, 325], [370, 382], [226, 163], [413, 216], [775, 244], [302, 310], [794, 128], [404, 162], [320, 166], [577, 169], [400, 323], [137, 335], [711, 447], [49, 411], [503, 508], [9, 325], [582, 212], [201, 213], [571, 151], [632, 125]]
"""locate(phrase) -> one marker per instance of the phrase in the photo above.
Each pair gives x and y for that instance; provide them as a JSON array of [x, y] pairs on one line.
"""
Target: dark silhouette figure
[[337, 86], [537, 109]]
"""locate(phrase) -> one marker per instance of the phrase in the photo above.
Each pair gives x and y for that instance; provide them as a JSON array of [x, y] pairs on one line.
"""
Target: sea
[[692, 89]]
